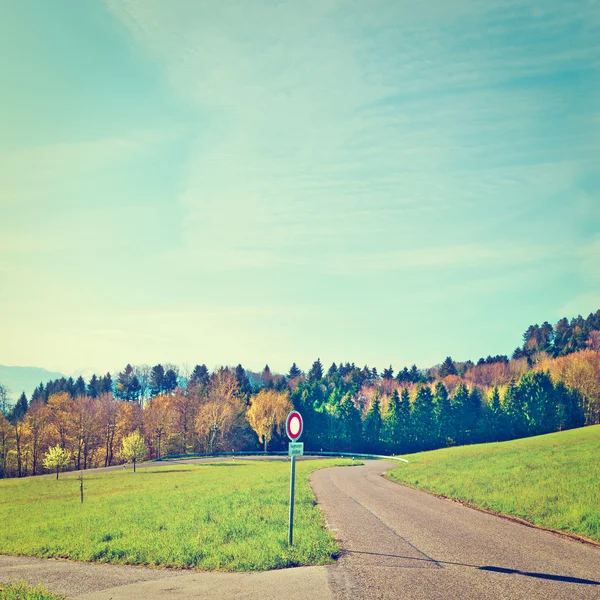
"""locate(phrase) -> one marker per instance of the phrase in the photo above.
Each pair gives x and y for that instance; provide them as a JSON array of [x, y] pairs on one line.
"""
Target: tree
[[388, 373], [157, 380], [443, 413], [56, 458], [372, 426], [199, 376], [158, 420], [93, 387], [6, 435], [351, 433], [220, 412], [424, 418], [392, 423], [266, 377], [294, 371], [460, 407], [133, 448], [37, 420], [170, 381], [19, 409], [79, 387], [267, 414], [316, 371], [447, 368]]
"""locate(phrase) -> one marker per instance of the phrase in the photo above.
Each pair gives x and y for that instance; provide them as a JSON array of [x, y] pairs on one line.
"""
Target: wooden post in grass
[[81, 485]]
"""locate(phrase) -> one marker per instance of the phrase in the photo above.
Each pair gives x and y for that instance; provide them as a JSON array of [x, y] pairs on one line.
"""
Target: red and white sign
[[294, 425]]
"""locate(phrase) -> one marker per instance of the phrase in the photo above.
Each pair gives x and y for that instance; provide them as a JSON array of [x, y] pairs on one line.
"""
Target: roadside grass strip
[[230, 516], [22, 591], [552, 480]]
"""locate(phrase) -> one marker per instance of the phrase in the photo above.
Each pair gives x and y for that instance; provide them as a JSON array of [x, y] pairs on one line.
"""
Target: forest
[[550, 383]]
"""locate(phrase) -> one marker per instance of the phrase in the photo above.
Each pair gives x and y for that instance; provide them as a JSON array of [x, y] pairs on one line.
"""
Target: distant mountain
[[25, 379]]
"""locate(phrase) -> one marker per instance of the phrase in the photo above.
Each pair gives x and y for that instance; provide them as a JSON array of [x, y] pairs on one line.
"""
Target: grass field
[[550, 480], [22, 591], [220, 516]]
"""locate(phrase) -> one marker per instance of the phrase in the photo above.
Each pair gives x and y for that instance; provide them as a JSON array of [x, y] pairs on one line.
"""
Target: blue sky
[[273, 181]]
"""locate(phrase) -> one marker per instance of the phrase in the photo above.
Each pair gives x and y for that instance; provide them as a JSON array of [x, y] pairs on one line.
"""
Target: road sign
[[294, 425], [296, 448]]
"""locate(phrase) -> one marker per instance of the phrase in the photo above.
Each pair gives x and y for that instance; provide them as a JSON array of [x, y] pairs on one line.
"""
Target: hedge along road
[[397, 543]]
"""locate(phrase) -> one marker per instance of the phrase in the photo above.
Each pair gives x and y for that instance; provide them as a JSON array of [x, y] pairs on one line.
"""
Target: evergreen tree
[[19, 409], [332, 370], [169, 381], [266, 377], [106, 386], [473, 421], [515, 412], [392, 424], [406, 423], [443, 413], [93, 389], [39, 394], [79, 387], [388, 373], [447, 368], [497, 418], [460, 407], [570, 412], [243, 381], [351, 425], [157, 380], [316, 371], [423, 417], [200, 375], [414, 376], [372, 427], [294, 371]]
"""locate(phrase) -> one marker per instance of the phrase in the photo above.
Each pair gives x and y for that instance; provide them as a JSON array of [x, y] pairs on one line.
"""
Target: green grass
[[221, 516], [550, 480], [22, 591]]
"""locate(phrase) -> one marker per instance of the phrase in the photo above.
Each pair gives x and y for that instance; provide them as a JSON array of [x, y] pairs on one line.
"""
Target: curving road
[[397, 543], [403, 543]]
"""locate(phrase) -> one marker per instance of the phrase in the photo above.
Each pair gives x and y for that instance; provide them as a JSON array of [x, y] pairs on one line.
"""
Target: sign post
[[293, 427]]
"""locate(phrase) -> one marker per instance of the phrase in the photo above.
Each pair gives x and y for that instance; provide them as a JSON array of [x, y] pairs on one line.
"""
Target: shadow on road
[[489, 568]]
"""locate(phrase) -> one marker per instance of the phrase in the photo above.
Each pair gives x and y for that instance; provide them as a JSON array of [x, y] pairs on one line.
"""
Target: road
[[397, 543], [404, 543]]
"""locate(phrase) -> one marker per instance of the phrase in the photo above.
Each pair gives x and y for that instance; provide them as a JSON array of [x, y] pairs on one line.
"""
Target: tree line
[[345, 407]]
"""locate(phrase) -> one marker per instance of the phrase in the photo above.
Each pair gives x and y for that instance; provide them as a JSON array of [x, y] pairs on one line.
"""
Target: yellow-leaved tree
[[133, 448], [267, 413], [56, 458]]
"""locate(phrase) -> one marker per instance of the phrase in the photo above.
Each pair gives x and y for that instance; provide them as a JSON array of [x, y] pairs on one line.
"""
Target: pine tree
[[406, 422], [388, 373], [316, 371], [200, 375], [515, 412], [157, 380], [447, 368], [372, 427], [294, 371], [106, 386], [79, 387], [333, 369], [170, 381], [93, 388], [392, 424], [414, 376], [497, 417], [351, 425], [443, 412], [460, 406], [19, 409], [424, 422]]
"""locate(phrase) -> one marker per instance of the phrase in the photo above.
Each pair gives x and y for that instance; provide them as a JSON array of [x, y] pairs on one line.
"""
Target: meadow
[[550, 480], [213, 516]]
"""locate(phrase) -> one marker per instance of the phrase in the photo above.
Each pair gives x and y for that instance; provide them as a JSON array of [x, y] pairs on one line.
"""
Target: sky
[[276, 181]]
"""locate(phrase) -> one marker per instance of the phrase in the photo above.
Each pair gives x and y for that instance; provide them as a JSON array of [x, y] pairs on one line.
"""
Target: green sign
[[296, 449]]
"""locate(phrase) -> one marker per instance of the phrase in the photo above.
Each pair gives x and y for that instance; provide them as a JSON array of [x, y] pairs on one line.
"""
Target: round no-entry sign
[[294, 425]]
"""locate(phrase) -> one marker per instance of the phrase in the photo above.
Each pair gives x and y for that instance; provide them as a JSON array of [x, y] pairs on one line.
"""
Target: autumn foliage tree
[[267, 414]]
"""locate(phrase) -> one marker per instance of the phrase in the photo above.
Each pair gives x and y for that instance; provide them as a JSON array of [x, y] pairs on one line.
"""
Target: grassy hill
[[221, 516], [549, 480]]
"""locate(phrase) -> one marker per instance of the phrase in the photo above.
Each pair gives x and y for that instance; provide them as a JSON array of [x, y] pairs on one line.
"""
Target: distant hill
[[25, 379]]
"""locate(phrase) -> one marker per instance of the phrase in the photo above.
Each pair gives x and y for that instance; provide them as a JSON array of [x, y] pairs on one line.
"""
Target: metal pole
[[292, 484]]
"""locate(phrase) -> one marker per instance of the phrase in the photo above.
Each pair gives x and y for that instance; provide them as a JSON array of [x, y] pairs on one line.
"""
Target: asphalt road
[[404, 543], [397, 543]]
